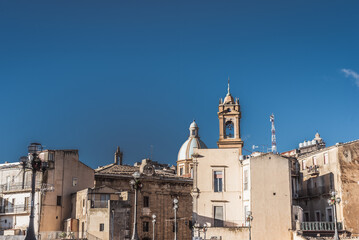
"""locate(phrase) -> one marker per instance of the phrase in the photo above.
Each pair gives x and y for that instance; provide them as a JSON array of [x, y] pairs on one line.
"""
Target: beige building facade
[[65, 175], [236, 196], [334, 168]]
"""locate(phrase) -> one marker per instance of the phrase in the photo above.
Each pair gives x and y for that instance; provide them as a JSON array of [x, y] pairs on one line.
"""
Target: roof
[[126, 170]]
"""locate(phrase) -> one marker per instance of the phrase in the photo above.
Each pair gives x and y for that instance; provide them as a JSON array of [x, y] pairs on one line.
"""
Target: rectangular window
[[304, 164], [329, 214], [26, 203], [181, 171], [146, 226], [217, 181], [58, 200], [218, 216], [51, 156], [245, 180], [326, 158], [306, 217], [74, 181], [102, 227], [317, 216], [146, 201], [314, 160]]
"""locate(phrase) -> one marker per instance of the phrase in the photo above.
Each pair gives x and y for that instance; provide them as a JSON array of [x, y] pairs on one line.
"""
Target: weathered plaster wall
[[348, 155], [271, 197]]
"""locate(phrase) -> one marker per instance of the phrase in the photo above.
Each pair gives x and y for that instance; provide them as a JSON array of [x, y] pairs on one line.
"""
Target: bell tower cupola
[[229, 116]]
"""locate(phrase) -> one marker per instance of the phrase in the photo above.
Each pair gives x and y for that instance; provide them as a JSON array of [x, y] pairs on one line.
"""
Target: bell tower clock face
[[229, 129]]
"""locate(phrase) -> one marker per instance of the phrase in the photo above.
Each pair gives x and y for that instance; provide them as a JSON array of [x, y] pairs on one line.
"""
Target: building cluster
[[217, 194]]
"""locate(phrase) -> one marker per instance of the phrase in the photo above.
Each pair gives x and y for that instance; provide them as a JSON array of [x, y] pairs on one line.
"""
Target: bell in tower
[[229, 116]]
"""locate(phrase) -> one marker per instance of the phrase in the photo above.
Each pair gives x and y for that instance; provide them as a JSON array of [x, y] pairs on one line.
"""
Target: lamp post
[[205, 230], [34, 163], [112, 222], [196, 225], [153, 226], [249, 219], [135, 185], [175, 207], [332, 202]]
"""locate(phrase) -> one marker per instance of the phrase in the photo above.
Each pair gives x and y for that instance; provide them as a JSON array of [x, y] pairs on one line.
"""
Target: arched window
[[229, 131]]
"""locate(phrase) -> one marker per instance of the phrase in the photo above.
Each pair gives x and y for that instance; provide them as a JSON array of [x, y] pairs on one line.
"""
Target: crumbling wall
[[348, 156]]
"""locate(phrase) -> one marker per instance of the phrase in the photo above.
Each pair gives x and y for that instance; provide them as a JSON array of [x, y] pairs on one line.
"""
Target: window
[[191, 172], [218, 216], [193, 132], [326, 158], [51, 156], [146, 226], [229, 131], [217, 181], [306, 217], [181, 171], [83, 202], [329, 214], [146, 201], [245, 180], [314, 160], [102, 227], [58, 200], [74, 181], [317, 216], [304, 164], [26, 203]]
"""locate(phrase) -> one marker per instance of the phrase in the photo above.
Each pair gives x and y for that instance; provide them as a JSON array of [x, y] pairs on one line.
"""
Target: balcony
[[320, 226], [313, 170], [15, 209], [18, 186]]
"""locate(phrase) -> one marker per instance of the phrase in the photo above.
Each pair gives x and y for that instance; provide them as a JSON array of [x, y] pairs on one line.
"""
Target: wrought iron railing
[[18, 186], [21, 208], [320, 226]]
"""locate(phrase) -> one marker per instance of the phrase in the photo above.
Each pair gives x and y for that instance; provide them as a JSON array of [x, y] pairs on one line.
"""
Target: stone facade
[[65, 175], [160, 186], [335, 168]]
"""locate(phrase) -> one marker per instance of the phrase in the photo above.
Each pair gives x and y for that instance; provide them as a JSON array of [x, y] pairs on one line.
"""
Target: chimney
[[118, 157]]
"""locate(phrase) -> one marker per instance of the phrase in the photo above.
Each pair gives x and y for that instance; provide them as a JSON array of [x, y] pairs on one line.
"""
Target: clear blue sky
[[91, 75]]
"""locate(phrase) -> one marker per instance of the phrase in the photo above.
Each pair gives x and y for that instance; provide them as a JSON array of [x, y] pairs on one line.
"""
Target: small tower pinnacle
[[228, 87]]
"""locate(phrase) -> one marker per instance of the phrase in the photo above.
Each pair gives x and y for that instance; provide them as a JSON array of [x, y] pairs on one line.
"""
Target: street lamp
[[135, 185], [249, 219], [175, 207], [332, 202], [34, 163], [153, 226], [196, 225], [205, 230]]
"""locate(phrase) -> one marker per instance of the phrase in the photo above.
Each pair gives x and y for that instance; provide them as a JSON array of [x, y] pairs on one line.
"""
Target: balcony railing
[[313, 170], [320, 226], [17, 186], [21, 208]]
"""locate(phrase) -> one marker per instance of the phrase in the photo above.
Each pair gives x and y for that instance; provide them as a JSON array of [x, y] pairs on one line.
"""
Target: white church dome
[[193, 141]]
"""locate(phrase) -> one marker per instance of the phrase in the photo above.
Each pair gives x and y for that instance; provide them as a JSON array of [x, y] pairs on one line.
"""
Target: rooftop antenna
[[274, 142]]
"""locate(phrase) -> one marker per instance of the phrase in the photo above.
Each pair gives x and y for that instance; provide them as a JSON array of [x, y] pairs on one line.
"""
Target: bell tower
[[229, 116]]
